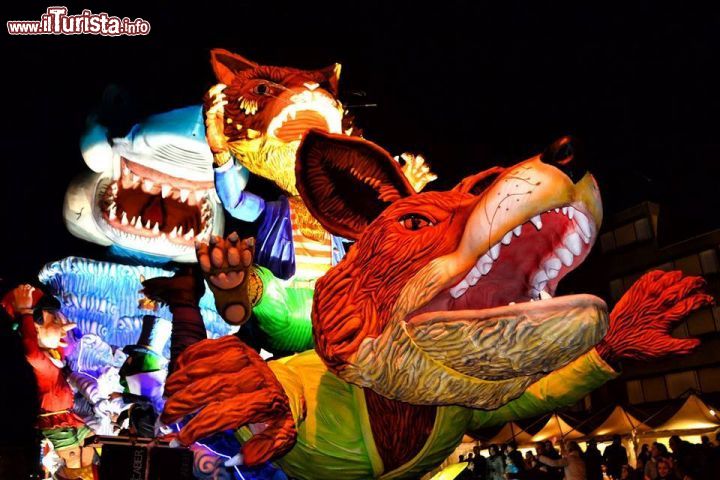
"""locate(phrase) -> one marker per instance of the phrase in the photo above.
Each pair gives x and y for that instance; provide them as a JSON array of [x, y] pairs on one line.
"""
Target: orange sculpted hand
[[641, 322], [228, 385], [227, 267]]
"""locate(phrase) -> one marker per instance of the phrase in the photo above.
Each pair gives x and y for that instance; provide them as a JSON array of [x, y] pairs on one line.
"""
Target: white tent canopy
[[619, 422], [694, 415], [511, 431], [556, 428]]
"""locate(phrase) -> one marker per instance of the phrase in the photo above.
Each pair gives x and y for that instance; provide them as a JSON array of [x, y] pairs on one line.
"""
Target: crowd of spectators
[[682, 461]]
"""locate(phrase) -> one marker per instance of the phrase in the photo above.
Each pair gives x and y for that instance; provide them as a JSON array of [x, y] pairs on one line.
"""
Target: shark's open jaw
[[526, 265], [148, 206], [308, 110]]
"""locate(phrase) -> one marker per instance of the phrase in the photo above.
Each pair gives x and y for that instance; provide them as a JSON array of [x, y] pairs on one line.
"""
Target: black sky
[[469, 84]]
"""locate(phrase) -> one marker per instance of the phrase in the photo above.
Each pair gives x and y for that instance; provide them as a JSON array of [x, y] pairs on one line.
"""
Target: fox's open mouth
[[526, 265], [147, 204], [308, 111]]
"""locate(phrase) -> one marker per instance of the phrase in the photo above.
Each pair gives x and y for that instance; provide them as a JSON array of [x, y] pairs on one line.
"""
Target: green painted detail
[[283, 313]]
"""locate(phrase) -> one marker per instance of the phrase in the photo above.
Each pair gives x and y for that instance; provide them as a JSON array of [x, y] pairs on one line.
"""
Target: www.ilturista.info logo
[[56, 21]]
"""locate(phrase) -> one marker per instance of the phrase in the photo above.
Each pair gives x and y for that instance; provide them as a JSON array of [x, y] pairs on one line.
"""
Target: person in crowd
[[571, 462], [615, 456], [552, 452], [496, 464], [644, 454], [640, 469], [658, 453], [530, 460], [665, 471], [627, 473], [593, 460], [690, 460], [514, 462], [479, 464]]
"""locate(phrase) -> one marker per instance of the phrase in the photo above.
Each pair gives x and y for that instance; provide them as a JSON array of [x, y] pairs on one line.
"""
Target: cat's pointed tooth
[[583, 223], [485, 264], [156, 228], [124, 219], [507, 238], [545, 295], [174, 233], [148, 224], [495, 251], [536, 221], [180, 231], [165, 190], [184, 193], [473, 275], [190, 234], [517, 230], [564, 210], [199, 195], [571, 212]]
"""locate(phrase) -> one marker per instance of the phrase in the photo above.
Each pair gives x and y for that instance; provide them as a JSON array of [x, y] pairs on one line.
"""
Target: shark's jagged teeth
[[165, 190], [184, 193], [536, 221]]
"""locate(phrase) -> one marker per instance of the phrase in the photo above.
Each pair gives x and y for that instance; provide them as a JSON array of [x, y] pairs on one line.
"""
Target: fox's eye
[[415, 221], [261, 89]]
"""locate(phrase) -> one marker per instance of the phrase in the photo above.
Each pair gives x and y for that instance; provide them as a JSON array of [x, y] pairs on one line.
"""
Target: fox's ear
[[346, 182], [331, 77], [226, 64]]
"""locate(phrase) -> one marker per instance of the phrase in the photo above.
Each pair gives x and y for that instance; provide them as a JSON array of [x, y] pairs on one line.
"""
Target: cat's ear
[[331, 77], [226, 64]]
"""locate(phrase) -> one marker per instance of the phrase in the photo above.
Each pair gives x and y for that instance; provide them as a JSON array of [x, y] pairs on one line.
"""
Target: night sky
[[468, 84]]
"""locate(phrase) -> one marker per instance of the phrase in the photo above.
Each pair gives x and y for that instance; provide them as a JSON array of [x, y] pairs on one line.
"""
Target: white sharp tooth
[[124, 220], [184, 193], [473, 275], [459, 289], [565, 256], [571, 212], [573, 243], [199, 195], [545, 295], [113, 212], [517, 230], [126, 170], [190, 234], [564, 210], [540, 278], [485, 264], [536, 221], [156, 228], [135, 178], [553, 263], [179, 232], [173, 234], [557, 210], [551, 273], [132, 220], [166, 189], [511, 303], [495, 251], [147, 224], [148, 185], [138, 222], [507, 238], [582, 221]]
